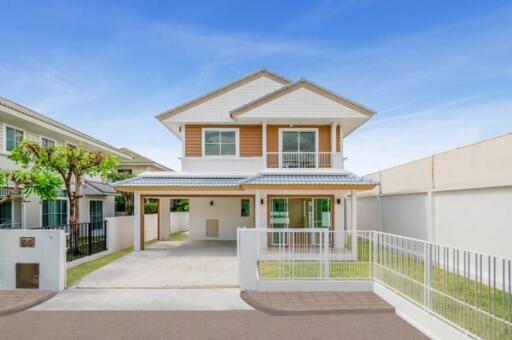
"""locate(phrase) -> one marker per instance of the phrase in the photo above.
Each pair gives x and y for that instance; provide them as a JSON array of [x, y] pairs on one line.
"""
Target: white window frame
[[237, 142], [49, 139], [297, 129], [5, 136]]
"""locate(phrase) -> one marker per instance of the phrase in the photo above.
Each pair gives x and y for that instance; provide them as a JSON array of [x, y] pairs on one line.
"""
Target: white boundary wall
[[180, 221], [120, 229], [461, 197], [49, 252]]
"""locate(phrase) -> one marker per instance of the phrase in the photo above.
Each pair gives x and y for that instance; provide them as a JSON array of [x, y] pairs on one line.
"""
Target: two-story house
[[18, 123], [261, 152]]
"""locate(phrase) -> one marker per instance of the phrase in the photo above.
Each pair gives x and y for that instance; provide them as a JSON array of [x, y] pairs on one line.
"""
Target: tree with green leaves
[[18, 184], [71, 163]]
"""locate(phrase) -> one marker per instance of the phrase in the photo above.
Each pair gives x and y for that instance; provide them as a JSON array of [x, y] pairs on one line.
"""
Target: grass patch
[[76, 273], [180, 236]]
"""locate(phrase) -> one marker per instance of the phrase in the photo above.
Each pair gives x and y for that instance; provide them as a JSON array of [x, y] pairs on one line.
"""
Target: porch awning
[[335, 181], [291, 181]]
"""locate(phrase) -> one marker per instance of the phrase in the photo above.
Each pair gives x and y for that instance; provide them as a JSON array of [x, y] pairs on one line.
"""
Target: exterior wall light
[[211, 203], [338, 201], [262, 201]]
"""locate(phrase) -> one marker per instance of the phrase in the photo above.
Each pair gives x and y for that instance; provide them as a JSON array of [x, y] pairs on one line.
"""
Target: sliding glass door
[[279, 219], [299, 212], [298, 149]]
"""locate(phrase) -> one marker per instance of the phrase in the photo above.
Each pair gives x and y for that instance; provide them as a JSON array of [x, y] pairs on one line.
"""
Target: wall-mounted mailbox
[[27, 242], [27, 275]]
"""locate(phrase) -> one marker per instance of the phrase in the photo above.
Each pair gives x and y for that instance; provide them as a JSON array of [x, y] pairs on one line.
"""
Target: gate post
[[247, 258]]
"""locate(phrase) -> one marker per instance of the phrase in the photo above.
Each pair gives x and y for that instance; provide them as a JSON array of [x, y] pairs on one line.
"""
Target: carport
[[213, 217]]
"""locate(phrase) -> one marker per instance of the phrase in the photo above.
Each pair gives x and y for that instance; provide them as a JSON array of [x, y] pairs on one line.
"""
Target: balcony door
[[298, 148]]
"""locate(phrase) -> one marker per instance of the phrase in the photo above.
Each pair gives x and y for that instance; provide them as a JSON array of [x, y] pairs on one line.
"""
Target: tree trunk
[[75, 203]]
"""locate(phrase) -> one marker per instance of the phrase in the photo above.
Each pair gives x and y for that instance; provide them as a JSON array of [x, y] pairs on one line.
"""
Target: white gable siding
[[302, 103], [218, 108]]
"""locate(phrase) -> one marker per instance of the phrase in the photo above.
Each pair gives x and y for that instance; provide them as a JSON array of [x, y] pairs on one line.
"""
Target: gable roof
[[138, 159], [9, 104], [303, 83], [180, 108]]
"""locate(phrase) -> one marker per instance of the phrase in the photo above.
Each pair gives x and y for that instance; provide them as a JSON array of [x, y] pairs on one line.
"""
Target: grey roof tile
[[173, 181]]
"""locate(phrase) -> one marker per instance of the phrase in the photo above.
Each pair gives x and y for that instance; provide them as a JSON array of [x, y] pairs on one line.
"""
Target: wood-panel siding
[[250, 139]]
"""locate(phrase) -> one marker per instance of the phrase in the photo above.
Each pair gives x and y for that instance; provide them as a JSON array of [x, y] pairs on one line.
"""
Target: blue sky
[[439, 73]]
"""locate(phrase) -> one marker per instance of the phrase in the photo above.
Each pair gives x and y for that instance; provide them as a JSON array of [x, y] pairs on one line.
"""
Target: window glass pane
[[246, 208], [290, 141], [13, 138], [212, 149], [211, 137], [5, 212], [55, 213], [47, 143], [307, 142], [322, 212], [228, 137], [228, 150]]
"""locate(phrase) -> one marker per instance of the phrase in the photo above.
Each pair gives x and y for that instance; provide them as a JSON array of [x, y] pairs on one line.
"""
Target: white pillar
[[264, 143], [334, 159], [353, 222], [257, 209], [164, 218], [353, 207], [136, 221]]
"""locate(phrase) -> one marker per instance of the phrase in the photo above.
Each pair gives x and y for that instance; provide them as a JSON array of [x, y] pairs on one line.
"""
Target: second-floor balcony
[[303, 160]]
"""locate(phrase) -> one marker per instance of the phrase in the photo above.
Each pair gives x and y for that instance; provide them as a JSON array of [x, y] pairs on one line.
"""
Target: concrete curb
[[26, 305]]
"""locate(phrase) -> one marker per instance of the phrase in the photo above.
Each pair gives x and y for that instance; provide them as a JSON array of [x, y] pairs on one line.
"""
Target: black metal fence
[[84, 239]]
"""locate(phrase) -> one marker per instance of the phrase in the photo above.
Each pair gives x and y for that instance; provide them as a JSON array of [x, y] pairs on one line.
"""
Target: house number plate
[[27, 242]]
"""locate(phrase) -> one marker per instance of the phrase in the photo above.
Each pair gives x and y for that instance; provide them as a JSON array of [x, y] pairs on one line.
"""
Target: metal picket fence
[[469, 290]]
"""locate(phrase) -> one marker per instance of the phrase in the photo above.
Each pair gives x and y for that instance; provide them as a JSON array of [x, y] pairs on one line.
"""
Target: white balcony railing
[[300, 160]]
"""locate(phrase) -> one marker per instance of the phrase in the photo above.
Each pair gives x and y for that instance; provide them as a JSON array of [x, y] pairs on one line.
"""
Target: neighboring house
[[19, 123], [260, 152], [138, 163], [460, 197]]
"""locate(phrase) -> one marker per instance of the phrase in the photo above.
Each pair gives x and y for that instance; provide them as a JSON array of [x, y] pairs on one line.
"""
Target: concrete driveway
[[171, 264]]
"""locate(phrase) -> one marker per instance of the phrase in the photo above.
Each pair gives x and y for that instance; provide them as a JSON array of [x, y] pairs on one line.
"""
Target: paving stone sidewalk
[[297, 303], [16, 300]]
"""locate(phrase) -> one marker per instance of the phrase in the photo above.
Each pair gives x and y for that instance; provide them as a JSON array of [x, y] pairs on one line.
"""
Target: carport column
[[136, 221], [257, 209], [353, 221], [164, 218]]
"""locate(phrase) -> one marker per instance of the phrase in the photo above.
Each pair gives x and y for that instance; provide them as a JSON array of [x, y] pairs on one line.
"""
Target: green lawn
[[76, 273], [179, 236], [452, 297]]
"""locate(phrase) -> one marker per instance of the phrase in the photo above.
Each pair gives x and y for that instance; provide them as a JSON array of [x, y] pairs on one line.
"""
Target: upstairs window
[[13, 138], [220, 142], [47, 143]]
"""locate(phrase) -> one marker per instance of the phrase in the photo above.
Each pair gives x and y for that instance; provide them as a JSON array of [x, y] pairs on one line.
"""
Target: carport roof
[[334, 181], [176, 181]]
